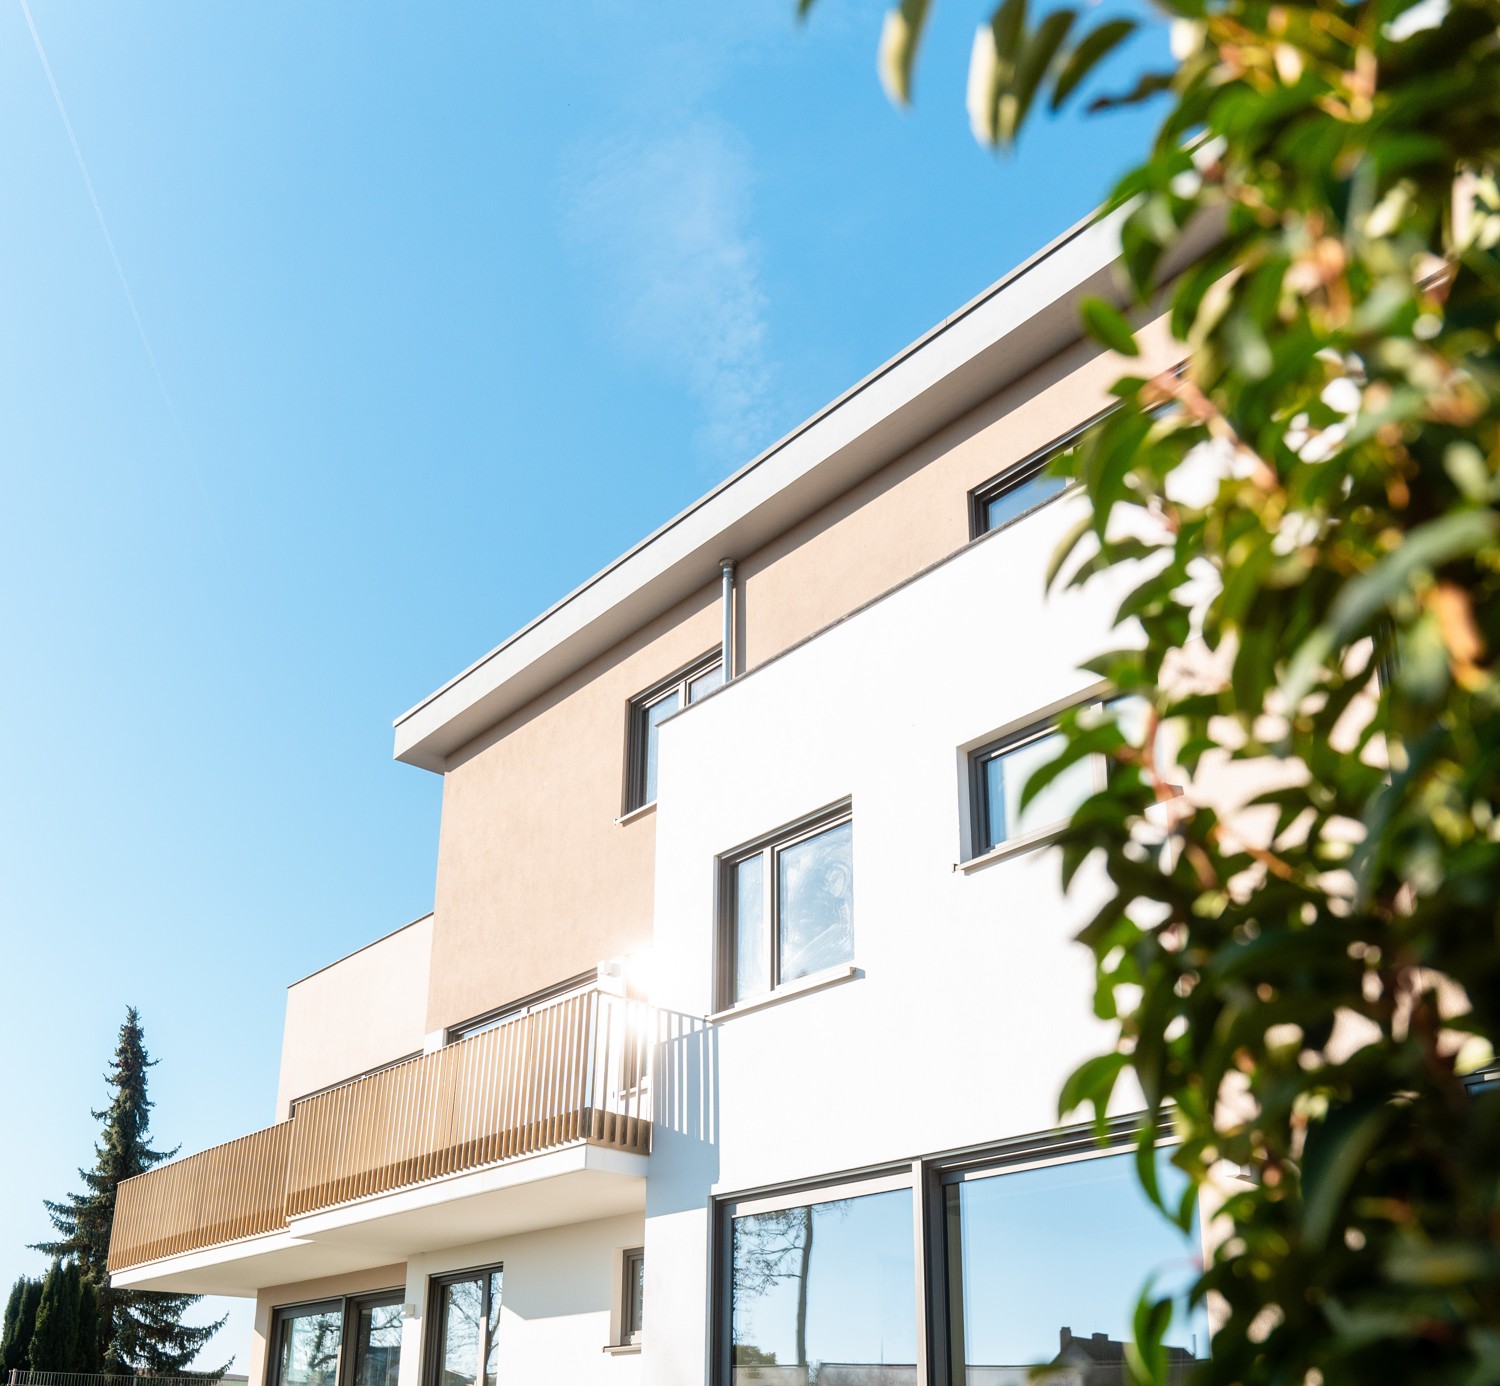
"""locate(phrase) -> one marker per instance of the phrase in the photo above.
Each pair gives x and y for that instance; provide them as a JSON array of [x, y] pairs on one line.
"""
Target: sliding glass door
[[339, 1342]]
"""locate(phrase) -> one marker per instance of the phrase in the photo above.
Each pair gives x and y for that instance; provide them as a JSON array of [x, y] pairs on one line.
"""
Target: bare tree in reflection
[[770, 1248]]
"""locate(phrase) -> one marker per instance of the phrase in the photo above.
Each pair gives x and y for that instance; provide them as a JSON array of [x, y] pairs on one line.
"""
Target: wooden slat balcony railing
[[573, 1071]]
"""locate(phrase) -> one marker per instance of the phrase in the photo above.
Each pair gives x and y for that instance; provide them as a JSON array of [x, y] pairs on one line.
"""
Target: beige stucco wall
[[306, 1292], [536, 881], [356, 1014]]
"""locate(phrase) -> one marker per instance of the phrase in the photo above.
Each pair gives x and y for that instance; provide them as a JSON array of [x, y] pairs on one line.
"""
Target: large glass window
[[340, 1342], [467, 1313], [309, 1337], [1043, 1266], [651, 708], [1034, 1260], [825, 1292], [789, 906]]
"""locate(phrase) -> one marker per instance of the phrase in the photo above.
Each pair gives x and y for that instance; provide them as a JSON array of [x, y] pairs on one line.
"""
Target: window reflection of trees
[[463, 1306], [377, 1353], [771, 1249], [311, 1355]]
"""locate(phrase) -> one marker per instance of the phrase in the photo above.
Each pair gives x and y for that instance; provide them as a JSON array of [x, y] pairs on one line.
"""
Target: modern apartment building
[[730, 1051]]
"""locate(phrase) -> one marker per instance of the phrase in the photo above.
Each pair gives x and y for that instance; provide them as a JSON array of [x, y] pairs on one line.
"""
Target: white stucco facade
[[969, 1002]]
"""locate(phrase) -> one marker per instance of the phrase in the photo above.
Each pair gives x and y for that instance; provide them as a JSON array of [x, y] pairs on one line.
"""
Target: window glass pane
[[492, 1354], [635, 1293], [752, 973], [706, 682], [654, 716], [462, 1314], [1027, 495], [1005, 776], [826, 1293], [1044, 1266], [377, 1346], [310, 1348], [815, 926]]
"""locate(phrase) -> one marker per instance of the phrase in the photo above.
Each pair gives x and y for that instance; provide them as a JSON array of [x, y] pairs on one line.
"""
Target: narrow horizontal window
[[1014, 493], [650, 709], [1000, 773], [1000, 770], [787, 907]]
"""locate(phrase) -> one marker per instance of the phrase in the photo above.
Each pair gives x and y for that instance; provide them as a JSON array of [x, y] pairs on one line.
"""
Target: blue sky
[[446, 306]]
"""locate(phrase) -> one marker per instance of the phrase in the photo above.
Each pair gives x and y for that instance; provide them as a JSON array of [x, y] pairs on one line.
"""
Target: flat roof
[[1013, 326]]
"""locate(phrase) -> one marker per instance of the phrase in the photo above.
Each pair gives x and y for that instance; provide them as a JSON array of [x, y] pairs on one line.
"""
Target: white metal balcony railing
[[571, 1072]]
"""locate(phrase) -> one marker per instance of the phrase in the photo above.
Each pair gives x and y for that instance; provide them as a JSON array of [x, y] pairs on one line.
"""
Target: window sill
[[635, 814], [1014, 847], [622, 1349], [830, 977]]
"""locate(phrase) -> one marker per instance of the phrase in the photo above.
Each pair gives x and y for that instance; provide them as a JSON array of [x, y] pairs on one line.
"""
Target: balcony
[[440, 1149]]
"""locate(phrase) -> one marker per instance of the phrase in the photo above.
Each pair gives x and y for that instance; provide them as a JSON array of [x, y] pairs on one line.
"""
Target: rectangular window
[[999, 774], [377, 1342], [466, 1345], [824, 1291], [633, 1300], [650, 709], [339, 1342], [788, 906], [308, 1338], [972, 1271], [1042, 1266]]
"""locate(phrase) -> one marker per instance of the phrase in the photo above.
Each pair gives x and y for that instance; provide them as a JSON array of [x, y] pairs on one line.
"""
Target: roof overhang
[[1014, 326]]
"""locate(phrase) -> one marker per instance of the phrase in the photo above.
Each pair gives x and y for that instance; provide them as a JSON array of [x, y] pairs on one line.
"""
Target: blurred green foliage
[[1300, 954]]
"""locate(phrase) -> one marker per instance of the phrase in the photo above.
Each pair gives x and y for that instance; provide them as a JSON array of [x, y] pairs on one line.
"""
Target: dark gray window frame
[[1017, 475], [632, 1296], [636, 730], [346, 1305], [979, 802], [928, 1178], [432, 1360], [772, 844]]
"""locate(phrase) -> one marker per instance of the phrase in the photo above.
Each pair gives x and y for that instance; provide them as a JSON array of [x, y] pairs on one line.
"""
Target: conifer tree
[[139, 1330], [19, 1325], [67, 1333]]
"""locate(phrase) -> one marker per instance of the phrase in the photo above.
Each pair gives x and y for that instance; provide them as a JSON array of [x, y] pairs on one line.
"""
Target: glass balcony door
[[375, 1353], [467, 1311]]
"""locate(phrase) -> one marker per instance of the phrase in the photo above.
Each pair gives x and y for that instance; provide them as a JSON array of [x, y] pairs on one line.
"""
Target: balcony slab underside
[[576, 1183]]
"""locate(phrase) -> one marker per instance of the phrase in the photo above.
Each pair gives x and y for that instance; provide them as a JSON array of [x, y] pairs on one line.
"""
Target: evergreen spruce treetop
[[139, 1330], [83, 1220]]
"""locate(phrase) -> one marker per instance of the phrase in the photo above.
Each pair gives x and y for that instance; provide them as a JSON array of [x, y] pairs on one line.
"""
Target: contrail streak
[[109, 240], [114, 255]]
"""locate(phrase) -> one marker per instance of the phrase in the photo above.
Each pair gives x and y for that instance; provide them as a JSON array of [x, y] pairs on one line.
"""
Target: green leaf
[[1454, 535], [1034, 60], [1337, 1149], [1107, 325], [1092, 49], [899, 41]]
